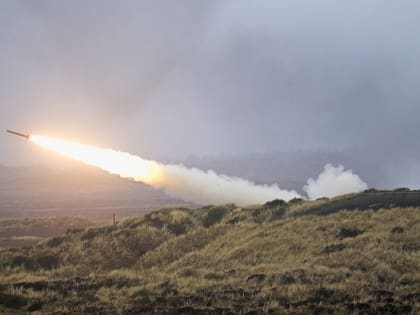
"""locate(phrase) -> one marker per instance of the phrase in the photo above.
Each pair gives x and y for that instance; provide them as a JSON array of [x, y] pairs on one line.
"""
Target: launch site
[[209, 157]]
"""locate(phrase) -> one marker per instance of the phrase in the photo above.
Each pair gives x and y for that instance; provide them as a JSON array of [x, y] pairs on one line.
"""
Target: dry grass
[[226, 259]]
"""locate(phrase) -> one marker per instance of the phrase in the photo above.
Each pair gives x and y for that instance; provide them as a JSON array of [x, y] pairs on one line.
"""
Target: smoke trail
[[334, 181], [210, 187], [176, 180]]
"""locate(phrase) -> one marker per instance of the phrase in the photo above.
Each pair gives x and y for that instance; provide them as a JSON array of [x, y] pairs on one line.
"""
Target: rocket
[[24, 135]]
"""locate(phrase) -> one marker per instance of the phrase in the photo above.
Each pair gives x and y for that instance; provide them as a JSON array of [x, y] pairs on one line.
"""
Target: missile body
[[27, 136]]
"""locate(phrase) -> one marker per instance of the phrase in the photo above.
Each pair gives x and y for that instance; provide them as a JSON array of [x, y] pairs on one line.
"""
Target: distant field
[[30, 231], [80, 191]]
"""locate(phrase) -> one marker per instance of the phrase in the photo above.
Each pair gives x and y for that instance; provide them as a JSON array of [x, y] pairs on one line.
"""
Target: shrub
[[277, 214], [179, 228], [47, 261], [275, 203], [257, 212], [397, 230], [287, 278], [23, 261], [214, 216], [156, 222], [35, 306], [12, 301], [333, 248], [90, 234], [188, 272], [234, 220], [344, 232], [55, 241]]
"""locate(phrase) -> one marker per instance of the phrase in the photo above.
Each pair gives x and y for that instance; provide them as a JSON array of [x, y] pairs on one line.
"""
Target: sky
[[170, 79]]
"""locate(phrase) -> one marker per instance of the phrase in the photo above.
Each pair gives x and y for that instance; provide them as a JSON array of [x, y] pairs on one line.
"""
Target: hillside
[[273, 258]]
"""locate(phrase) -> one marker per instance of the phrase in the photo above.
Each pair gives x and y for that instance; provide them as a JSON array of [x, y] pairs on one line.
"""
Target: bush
[[397, 230], [277, 214], [214, 216], [344, 232], [334, 248], [156, 222], [90, 234], [287, 278], [275, 203], [23, 261], [12, 301], [47, 261], [179, 228], [257, 212], [55, 241]]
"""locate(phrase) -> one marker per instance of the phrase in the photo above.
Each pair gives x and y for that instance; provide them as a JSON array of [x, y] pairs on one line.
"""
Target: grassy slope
[[279, 258]]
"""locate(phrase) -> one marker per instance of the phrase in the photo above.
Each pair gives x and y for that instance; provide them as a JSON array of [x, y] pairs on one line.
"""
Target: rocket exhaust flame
[[176, 180]]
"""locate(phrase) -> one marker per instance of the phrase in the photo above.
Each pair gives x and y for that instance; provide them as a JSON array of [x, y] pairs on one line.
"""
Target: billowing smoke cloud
[[334, 181], [209, 187]]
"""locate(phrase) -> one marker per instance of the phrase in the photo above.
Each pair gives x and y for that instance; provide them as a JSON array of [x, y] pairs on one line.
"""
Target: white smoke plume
[[199, 186], [334, 181], [176, 180], [209, 187]]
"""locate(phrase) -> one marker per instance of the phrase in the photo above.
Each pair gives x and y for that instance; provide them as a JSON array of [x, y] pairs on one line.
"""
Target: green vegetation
[[274, 258]]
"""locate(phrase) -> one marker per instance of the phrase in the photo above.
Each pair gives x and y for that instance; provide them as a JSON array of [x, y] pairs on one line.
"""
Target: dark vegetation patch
[[397, 230], [214, 216], [333, 248], [32, 263], [55, 241], [259, 277], [346, 232], [275, 203], [179, 228], [12, 301], [287, 278]]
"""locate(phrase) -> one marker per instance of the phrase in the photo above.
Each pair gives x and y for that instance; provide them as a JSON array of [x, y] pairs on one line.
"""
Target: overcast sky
[[180, 78]]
